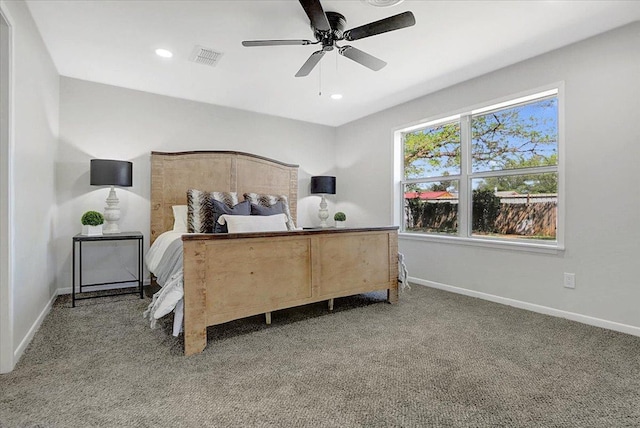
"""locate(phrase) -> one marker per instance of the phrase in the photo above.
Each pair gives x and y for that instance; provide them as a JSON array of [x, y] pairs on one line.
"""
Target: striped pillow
[[200, 208], [268, 201]]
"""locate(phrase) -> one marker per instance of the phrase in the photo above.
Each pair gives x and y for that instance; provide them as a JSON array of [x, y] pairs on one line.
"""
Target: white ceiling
[[113, 42]]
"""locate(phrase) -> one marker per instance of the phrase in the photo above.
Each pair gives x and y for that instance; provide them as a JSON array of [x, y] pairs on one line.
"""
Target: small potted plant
[[340, 219], [92, 223]]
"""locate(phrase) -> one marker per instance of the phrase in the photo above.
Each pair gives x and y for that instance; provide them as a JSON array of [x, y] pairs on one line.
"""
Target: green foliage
[[502, 139], [435, 186], [486, 207], [439, 217], [527, 183], [340, 216], [438, 146], [92, 218]]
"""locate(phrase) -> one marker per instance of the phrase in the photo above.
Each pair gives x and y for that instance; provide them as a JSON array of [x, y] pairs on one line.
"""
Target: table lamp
[[107, 172], [323, 185]]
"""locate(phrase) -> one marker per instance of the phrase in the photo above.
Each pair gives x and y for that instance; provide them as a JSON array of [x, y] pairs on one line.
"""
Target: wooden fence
[[533, 219]]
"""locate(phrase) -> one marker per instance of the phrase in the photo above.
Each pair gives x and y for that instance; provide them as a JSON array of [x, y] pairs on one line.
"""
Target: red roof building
[[429, 195]]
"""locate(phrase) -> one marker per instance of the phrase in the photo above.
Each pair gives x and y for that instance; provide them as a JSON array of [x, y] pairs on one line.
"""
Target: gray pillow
[[219, 208], [277, 208]]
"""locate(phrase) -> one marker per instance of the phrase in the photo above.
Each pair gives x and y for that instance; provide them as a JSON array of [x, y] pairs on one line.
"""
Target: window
[[490, 173]]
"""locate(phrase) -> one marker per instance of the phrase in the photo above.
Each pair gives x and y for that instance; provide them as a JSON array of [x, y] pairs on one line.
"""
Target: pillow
[[269, 200], [220, 208], [200, 211], [254, 223], [277, 208], [180, 218]]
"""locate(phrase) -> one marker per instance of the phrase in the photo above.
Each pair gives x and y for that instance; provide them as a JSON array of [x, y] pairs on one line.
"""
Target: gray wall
[[102, 121], [35, 132], [602, 103]]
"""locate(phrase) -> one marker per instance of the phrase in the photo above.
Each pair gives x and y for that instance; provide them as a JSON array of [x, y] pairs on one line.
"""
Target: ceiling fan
[[328, 28]]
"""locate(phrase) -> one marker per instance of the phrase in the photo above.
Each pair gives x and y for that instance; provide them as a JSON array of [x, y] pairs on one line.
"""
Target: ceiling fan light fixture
[[383, 3], [164, 53]]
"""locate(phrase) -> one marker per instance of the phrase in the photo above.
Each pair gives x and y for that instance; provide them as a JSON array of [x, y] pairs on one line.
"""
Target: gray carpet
[[434, 360]]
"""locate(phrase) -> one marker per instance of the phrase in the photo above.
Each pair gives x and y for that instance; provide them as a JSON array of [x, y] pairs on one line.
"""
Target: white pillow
[[254, 223], [180, 218]]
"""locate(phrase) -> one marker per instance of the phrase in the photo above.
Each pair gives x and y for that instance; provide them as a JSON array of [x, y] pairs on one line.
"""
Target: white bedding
[[164, 260], [156, 251]]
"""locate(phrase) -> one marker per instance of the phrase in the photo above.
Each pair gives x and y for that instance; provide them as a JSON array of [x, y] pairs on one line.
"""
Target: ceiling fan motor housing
[[337, 21]]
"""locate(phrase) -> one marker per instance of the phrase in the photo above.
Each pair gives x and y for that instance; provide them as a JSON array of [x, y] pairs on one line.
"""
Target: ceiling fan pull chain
[[319, 80]]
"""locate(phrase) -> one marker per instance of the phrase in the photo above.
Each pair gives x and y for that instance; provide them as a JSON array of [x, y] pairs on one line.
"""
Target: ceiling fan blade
[[363, 58], [313, 60], [391, 23], [316, 14], [252, 43]]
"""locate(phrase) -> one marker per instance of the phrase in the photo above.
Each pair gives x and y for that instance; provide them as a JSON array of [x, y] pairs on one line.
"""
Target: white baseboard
[[32, 331], [584, 319]]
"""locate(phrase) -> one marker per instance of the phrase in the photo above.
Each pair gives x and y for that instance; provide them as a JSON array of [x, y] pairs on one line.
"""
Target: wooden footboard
[[232, 276]]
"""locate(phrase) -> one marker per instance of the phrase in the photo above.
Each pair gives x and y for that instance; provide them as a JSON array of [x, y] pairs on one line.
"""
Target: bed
[[228, 276]]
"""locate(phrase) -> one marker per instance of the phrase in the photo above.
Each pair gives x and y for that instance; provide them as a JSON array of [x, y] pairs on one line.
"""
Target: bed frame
[[232, 276]]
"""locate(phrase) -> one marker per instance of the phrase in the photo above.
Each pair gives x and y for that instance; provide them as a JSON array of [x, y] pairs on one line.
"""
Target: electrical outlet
[[570, 280]]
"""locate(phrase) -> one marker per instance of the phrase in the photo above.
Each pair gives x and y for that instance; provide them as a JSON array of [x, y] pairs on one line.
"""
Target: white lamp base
[[323, 214], [111, 213]]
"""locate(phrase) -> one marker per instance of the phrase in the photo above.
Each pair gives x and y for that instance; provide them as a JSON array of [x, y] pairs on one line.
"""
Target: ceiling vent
[[206, 56]]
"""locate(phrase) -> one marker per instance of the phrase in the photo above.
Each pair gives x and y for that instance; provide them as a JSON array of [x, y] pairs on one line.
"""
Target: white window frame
[[464, 236]]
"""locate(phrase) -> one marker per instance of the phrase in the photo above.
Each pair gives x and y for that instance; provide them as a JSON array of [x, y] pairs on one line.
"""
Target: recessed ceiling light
[[336, 96], [164, 53]]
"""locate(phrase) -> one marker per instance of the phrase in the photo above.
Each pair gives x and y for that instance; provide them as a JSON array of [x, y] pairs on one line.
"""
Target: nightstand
[[79, 240]]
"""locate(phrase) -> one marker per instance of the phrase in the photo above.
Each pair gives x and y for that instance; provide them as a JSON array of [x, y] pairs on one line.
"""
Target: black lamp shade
[[106, 172], [323, 184]]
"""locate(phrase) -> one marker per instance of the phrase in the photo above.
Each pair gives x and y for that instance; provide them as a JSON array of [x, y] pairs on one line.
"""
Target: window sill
[[554, 248]]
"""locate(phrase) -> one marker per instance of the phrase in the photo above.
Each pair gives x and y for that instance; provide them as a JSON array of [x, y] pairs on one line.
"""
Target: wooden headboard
[[172, 174]]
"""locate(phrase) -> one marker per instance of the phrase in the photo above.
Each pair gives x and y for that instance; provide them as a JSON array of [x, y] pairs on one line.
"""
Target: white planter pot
[[340, 224], [91, 230]]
